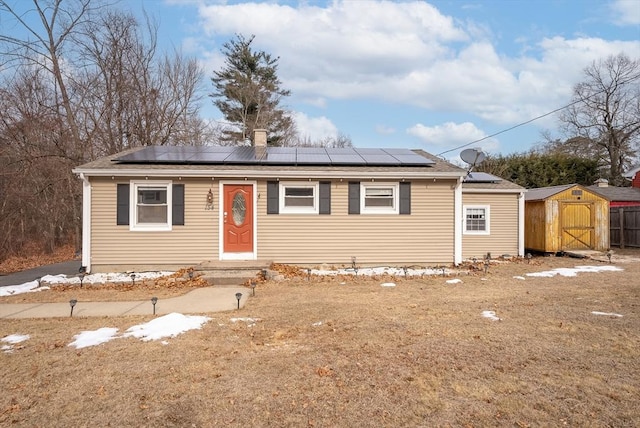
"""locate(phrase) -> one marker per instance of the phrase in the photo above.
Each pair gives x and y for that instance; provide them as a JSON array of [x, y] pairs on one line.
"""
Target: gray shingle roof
[[618, 194]]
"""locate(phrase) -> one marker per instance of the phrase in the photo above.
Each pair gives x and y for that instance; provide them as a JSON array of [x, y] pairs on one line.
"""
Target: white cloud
[[314, 128], [452, 134], [626, 12], [409, 53], [384, 130]]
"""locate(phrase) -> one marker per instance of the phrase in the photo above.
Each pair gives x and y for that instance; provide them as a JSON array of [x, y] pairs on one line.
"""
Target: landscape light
[[190, 274], [609, 254], [39, 281], [253, 288], [238, 297], [133, 278], [308, 274], [529, 257], [154, 300], [72, 303], [405, 269], [81, 276]]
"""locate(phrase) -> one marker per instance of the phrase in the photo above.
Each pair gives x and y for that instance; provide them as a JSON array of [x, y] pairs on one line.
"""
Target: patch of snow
[[94, 337], [15, 338], [378, 271], [27, 287], [491, 315], [169, 325], [454, 281], [575, 271], [388, 284], [518, 277], [12, 339], [164, 342], [317, 324], [608, 314], [102, 278], [245, 319]]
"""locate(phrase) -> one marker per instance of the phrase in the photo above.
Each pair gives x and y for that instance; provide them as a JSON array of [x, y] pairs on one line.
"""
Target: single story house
[[161, 207]]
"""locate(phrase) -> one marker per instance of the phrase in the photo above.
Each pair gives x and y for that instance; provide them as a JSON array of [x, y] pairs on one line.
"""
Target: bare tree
[[83, 82], [604, 120]]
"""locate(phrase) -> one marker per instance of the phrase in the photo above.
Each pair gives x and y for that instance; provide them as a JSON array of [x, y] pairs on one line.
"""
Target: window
[[151, 210], [476, 220], [379, 198], [299, 198]]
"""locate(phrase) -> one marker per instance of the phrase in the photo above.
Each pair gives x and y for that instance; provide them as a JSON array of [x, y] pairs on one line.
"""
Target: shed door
[[577, 222], [238, 218]]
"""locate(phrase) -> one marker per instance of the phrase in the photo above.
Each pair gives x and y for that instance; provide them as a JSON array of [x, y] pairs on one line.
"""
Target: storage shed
[[565, 218]]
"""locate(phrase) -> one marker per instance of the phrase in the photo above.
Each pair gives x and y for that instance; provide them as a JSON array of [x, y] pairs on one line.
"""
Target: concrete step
[[230, 272]]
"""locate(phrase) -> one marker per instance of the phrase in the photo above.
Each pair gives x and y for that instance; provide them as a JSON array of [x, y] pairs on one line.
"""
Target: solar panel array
[[481, 177], [216, 155]]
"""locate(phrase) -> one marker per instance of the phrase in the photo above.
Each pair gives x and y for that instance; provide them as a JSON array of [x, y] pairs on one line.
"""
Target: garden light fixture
[[154, 300], [81, 275], [253, 288], [72, 303], [238, 297], [133, 278]]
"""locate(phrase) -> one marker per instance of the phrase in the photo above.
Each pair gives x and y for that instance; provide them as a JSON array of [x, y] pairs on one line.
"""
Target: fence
[[624, 226]]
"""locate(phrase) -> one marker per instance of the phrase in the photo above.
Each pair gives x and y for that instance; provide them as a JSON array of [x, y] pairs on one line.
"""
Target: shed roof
[[542, 193]]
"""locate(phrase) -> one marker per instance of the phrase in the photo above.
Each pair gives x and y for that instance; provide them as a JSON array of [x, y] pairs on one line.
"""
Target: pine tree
[[248, 93]]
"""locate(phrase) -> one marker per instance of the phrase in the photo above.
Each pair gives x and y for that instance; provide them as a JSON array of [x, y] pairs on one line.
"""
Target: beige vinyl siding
[[117, 248], [503, 237], [425, 236]]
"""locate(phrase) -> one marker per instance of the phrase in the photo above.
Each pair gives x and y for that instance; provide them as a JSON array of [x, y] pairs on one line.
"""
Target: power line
[[531, 120]]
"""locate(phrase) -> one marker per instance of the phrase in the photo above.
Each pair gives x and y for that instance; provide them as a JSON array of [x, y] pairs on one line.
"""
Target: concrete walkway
[[201, 300]]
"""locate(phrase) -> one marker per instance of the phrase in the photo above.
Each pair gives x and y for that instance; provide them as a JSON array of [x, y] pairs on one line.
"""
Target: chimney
[[636, 180], [602, 182], [260, 137]]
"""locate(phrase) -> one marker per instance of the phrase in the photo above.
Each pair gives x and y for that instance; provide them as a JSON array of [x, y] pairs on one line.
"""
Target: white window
[[299, 198], [151, 205], [379, 198], [476, 219]]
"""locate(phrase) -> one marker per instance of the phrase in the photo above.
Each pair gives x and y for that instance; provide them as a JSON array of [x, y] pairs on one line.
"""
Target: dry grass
[[326, 355]]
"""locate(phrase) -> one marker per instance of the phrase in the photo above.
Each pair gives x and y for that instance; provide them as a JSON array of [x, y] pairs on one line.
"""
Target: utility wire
[[531, 120]]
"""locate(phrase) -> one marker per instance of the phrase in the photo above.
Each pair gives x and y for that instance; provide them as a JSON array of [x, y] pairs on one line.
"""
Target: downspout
[[521, 224], [86, 222], [457, 223]]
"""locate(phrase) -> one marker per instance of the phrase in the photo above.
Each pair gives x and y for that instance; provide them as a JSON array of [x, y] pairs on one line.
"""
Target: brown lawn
[[329, 355]]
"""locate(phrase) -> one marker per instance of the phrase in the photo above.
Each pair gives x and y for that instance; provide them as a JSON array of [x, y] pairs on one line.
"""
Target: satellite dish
[[472, 156]]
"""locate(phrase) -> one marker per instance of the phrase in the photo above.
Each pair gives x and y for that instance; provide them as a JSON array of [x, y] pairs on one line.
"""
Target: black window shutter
[[177, 205], [405, 198], [122, 205], [325, 197], [354, 197], [273, 201]]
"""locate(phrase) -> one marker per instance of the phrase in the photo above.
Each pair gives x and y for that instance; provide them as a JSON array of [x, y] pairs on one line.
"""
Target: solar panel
[[275, 155], [481, 177], [313, 158], [280, 155]]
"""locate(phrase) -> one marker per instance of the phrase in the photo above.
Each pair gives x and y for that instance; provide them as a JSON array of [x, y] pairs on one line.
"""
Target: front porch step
[[230, 272]]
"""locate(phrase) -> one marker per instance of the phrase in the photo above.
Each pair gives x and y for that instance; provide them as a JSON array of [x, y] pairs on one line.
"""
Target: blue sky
[[432, 75]]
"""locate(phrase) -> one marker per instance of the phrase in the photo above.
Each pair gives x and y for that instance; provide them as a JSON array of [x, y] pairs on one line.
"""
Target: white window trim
[[380, 210], [133, 206], [299, 210], [487, 214]]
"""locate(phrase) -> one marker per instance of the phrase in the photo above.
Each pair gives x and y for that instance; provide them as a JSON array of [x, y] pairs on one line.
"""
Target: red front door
[[238, 218]]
